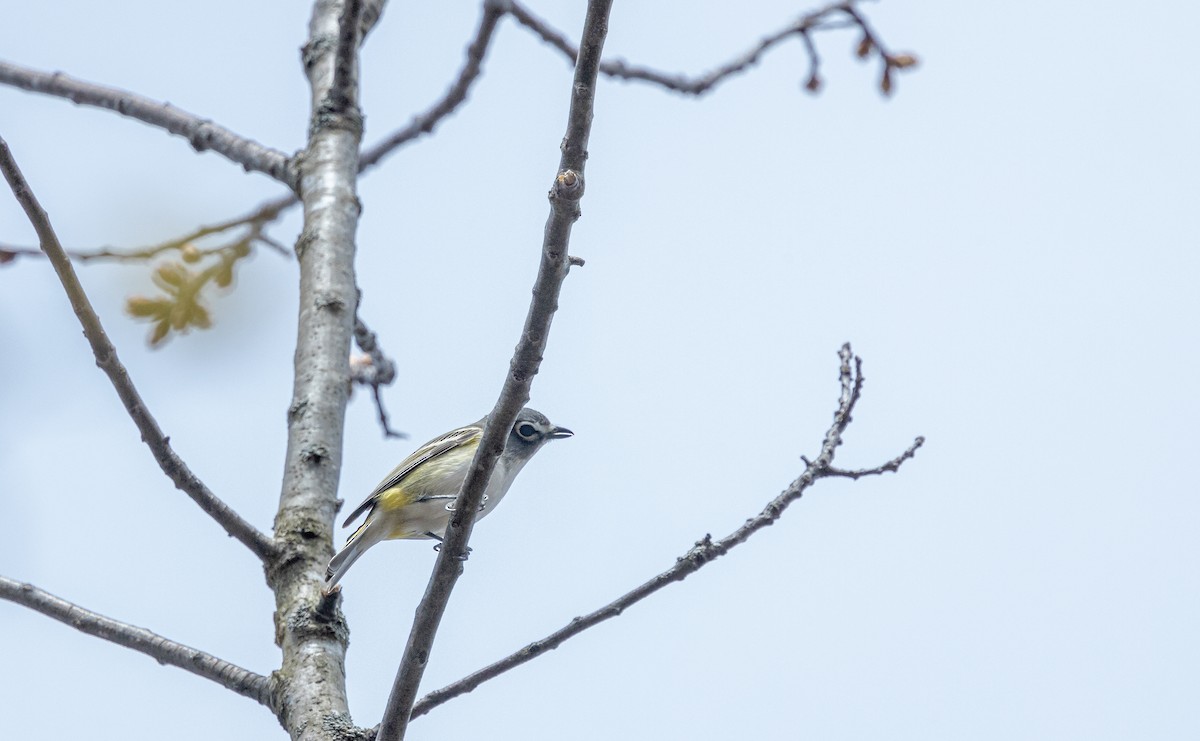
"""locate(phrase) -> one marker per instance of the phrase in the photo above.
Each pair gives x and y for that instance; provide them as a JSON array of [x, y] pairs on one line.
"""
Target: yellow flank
[[426, 480], [416, 499], [394, 499]]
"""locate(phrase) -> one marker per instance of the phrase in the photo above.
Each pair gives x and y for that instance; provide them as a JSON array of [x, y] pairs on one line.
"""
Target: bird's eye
[[527, 431]]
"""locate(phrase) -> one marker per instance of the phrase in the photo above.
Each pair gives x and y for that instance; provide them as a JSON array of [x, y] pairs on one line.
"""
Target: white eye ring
[[526, 431]]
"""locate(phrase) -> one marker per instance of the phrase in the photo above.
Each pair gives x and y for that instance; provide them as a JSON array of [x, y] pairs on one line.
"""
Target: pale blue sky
[[1010, 243]]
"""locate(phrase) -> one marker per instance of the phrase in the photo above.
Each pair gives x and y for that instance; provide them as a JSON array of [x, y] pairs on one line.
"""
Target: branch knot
[[568, 185]]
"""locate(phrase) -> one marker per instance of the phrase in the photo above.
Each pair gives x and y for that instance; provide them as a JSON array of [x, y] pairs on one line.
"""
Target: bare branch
[[201, 133], [818, 20], [422, 123], [893, 465], [341, 96], [165, 651], [313, 640], [369, 16], [871, 42], [425, 122], [106, 358], [703, 552], [822, 19], [268, 211], [564, 211], [373, 369], [256, 222]]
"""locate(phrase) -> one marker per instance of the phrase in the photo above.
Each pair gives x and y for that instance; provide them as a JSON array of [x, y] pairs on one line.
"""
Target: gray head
[[531, 431]]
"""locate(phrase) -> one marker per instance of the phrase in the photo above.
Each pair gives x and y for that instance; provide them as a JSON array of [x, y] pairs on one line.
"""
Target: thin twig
[[369, 17], [871, 42], [382, 414], [201, 133], [425, 122], [893, 465], [373, 369], [564, 211], [703, 552], [163, 650], [256, 220], [106, 358], [492, 11], [456, 95], [824, 18]]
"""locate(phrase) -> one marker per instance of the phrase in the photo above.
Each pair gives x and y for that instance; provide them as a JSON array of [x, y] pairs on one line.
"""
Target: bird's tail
[[356, 545]]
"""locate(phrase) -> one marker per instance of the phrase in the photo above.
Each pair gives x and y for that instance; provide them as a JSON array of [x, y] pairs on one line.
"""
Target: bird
[[416, 499]]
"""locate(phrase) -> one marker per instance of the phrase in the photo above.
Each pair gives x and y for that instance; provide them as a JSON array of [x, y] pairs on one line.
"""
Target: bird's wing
[[429, 450]]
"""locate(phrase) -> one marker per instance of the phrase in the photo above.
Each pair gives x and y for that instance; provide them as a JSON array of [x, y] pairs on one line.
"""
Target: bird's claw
[[438, 549]]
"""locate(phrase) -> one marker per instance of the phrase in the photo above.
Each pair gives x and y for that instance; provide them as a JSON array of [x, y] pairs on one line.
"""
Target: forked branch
[[705, 550], [835, 15], [373, 369], [106, 358], [565, 193]]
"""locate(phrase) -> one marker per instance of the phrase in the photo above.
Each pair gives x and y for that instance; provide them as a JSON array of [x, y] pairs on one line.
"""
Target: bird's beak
[[558, 432]]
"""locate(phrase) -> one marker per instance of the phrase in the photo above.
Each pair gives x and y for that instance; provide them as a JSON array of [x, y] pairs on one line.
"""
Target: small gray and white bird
[[416, 499]]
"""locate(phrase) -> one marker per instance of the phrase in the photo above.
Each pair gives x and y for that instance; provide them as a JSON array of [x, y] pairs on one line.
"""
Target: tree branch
[[268, 211], [201, 133], [106, 358], [702, 553], [256, 220], [313, 642], [373, 369], [368, 17], [893, 465], [820, 19], [564, 211], [165, 651], [455, 96]]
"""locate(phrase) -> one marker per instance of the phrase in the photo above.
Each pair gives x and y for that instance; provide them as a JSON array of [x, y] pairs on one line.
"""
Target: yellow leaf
[[142, 307]]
